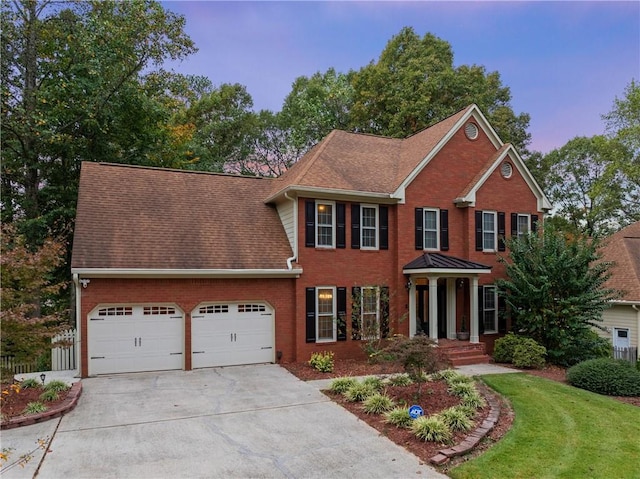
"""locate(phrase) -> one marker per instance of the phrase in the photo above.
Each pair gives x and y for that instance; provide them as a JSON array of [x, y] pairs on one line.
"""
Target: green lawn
[[559, 432]]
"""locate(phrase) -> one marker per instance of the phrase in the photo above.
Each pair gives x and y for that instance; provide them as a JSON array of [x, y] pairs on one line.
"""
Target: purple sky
[[565, 62]]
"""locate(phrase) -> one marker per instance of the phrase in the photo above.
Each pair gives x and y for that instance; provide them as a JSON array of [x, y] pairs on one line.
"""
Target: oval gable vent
[[506, 170], [471, 130]]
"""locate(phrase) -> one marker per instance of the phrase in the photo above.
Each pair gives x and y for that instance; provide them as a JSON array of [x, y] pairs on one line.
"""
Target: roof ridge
[[175, 170]]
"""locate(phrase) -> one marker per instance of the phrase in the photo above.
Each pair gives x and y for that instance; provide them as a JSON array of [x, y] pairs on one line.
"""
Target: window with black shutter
[[501, 231], [355, 226], [341, 238], [384, 227], [444, 230], [311, 315], [419, 229], [341, 294], [310, 223]]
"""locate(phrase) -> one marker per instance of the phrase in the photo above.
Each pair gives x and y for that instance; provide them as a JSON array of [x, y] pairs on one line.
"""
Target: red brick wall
[[187, 294]]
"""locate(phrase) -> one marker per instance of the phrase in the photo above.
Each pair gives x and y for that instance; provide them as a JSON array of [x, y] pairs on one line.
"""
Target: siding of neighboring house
[[621, 316]]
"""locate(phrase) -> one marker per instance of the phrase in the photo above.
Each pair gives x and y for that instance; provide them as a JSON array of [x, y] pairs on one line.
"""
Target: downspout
[[635, 306], [78, 289], [295, 232]]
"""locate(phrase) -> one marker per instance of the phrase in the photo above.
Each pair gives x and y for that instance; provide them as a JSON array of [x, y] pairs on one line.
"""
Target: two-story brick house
[[363, 237]]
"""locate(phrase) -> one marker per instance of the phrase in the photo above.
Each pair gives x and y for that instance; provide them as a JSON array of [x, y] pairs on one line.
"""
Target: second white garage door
[[226, 334]]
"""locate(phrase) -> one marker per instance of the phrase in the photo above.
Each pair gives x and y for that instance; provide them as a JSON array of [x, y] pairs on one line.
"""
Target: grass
[[559, 432]]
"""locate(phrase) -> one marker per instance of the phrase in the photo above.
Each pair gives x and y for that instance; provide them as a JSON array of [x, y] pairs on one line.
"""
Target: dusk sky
[[565, 62]]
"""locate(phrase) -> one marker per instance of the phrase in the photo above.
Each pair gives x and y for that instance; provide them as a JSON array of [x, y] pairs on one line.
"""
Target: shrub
[[340, 385], [580, 347], [34, 408], [358, 392], [456, 418], [323, 361], [446, 374], [400, 380], [374, 382], [30, 383], [378, 403], [504, 347], [462, 389], [473, 400], [605, 376], [56, 385], [529, 354], [459, 379], [432, 429], [399, 417], [49, 395]]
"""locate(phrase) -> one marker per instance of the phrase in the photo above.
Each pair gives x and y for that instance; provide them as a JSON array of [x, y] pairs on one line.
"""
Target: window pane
[[368, 227], [488, 231], [430, 240], [489, 298], [368, 238], [523, 224], [325, 313], [370, 308], [369, 217], [430, 229], [430, 221], [325, 225]]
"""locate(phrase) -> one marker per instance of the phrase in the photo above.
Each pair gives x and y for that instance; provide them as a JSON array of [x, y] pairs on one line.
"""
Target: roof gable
[[149, 218]]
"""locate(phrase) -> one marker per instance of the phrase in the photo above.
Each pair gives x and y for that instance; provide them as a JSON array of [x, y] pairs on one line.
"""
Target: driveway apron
[[235, 422]]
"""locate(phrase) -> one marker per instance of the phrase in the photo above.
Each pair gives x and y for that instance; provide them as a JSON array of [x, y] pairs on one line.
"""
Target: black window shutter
[[419, 229], [310, 223], [383, 212], [356, 308], [355, 226], [534, 223], [502, 314], [478, 230], [342, 313], [341, 238], [384, 311], [444, 230], [480, 310], [311, 315], [501, 231], [514, 224]]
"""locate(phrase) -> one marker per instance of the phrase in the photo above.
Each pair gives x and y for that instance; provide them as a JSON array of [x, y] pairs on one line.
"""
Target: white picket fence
[[62, 359], [626, 354]]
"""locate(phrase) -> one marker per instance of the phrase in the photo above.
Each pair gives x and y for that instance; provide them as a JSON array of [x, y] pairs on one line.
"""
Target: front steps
[[463, 353]]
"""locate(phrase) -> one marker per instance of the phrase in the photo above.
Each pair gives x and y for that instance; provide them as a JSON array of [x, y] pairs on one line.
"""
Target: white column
[[412, 310], [433, 307], [474, 335], [451, 308]]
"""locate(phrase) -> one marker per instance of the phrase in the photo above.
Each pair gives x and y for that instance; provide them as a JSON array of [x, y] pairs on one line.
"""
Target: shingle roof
[[623, 248], [149, 218], [442, 261], [364, 163]]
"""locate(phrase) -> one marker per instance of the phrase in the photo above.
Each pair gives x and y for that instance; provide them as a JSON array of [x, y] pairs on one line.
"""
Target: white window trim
[[495, 231], [424, 228], [362, 227], [520, 234], [333, 224], [495, 309], [334, 314], [378, 312]]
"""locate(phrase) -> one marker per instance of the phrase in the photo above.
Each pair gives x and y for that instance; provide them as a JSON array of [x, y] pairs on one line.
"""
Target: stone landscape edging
[[65, 406], [472, 440]]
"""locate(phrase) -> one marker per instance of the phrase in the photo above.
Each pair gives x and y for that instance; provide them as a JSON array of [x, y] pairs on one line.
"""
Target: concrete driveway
[[235, 422]]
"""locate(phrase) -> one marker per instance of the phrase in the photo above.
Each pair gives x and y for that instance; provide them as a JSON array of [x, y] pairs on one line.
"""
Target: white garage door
[[135, 338], [232, 334]]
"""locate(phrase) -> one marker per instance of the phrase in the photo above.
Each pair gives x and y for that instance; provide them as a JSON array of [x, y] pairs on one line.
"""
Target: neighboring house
[[364, 237], [622, 320]]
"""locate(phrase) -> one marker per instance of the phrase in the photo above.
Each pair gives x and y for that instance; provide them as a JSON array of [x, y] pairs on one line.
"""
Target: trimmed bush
[[456, 418], [529, 354], [399, 417], [473, 400], [462, 389], [605, 376], [323, 361], [358, 392]]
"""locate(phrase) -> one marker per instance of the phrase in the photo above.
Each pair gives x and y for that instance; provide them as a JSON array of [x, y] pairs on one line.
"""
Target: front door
[[422, 322]]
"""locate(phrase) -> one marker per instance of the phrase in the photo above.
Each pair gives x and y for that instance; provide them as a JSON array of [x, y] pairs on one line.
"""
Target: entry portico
[[443, 276]]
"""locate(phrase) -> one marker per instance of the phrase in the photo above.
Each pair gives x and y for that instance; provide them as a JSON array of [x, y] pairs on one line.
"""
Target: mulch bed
[[14, 403], [434, 399]]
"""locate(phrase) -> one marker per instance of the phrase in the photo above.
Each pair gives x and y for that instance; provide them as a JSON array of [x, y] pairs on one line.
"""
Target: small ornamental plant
[[359, 392], [433, 429], [340, 385], [323, 361], [456, 418], [34, 408], [399, 417], [378, 404]]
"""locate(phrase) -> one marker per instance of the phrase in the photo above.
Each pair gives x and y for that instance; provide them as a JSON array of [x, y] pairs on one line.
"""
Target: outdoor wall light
[[408, 285], [42, 378]]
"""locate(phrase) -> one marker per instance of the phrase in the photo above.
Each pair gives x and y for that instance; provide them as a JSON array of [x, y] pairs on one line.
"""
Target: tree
[[584, 181], [554, 289], [72, 91], [30, 315], [414, 85]]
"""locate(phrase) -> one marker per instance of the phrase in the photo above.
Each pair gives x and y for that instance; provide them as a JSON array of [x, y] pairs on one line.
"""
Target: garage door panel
[[232, 334], [135, 338]]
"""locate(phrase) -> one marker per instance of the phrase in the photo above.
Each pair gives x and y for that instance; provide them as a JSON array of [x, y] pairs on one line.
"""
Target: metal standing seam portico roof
[[441, 262]]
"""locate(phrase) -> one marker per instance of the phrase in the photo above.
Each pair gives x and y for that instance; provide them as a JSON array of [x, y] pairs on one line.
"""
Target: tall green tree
[[555, 292], [72, 91], [414, 84]]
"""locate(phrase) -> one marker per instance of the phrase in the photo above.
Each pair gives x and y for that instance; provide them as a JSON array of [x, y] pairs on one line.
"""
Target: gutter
[[635, 306], [295, 231], [185, 273]]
